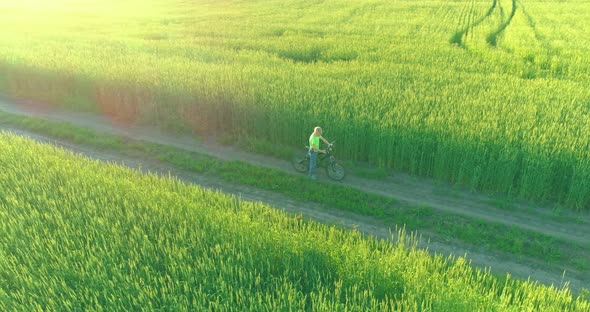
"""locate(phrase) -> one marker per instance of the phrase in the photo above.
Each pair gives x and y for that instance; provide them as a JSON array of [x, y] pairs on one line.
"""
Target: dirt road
[[412, 190]]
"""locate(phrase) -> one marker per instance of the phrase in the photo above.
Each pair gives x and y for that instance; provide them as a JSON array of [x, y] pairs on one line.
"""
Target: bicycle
[[334, 169]]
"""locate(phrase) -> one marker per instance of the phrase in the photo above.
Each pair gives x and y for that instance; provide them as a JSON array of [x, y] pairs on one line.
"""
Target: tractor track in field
[[458, 36], [410, 190], [492, 38]]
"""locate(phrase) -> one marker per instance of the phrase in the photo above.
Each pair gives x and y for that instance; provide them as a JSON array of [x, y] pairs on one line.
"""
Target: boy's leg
[[312, 163]]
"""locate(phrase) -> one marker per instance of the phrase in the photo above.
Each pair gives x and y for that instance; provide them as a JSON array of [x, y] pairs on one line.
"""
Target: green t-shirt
[[314, 140]]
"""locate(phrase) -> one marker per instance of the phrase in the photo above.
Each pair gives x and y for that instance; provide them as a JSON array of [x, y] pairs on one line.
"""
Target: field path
[[411, 190]]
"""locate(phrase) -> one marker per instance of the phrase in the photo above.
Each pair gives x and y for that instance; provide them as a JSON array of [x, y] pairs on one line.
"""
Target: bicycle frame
[[323, 156]]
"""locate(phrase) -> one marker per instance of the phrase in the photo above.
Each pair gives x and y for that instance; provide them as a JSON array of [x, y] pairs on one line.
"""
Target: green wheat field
[[492, 95], [489, 95], [78, 234]]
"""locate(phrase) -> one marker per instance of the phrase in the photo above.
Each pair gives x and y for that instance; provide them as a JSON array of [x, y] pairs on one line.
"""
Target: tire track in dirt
[[500, 264]]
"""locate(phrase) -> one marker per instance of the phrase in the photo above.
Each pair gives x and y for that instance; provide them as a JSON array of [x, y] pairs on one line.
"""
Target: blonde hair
[[316, 129]]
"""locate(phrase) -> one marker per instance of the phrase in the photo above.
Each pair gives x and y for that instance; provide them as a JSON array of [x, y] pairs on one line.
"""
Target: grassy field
[[486, 94], [79, 234], [471, 231]]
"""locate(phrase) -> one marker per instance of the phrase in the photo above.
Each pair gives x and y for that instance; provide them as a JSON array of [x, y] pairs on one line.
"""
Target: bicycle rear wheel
[[300, 163]]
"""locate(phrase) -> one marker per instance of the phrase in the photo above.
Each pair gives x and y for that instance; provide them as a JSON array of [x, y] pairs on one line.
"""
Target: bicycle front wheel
[[336, 171]]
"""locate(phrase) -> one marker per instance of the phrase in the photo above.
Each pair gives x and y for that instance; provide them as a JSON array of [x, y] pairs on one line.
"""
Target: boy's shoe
[[312, 177]]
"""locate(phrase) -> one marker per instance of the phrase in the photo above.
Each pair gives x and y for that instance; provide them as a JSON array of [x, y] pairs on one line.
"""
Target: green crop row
[[380, 76], [78, 234]]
